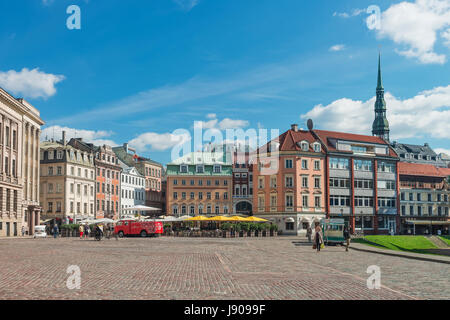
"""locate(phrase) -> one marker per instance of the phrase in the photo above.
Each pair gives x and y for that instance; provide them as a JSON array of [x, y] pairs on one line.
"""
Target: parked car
[[39, 232]]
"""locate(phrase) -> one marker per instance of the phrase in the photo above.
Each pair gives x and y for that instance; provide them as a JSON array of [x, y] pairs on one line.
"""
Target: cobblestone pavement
[[194, 268]]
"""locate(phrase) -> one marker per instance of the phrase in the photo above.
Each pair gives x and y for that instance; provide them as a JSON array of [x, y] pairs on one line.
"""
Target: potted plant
[[244, 229], [257, 229], [251, 229], [226, 229], [264, 228], [167, 229], [273, 230]]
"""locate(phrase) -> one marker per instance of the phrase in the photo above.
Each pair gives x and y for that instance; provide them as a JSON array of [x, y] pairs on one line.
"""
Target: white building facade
[[132, 191]]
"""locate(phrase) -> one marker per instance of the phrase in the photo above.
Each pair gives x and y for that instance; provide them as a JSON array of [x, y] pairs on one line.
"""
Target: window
[[386, 167], [305, 145], [317, 201], [289, 182], [192, 195], [59, 154], [273, 182], [362, 165], [338, 163], [217, 168], [50, 171], [305, 182], [317, 183], [200, 195], [386, 202], [183, 168], [289, 200], [304, 164], [316, 165], [59, 171], [363, 201], [288, 164], [359, 149], [183, 195], [305, 201], [289, 226], [200, 169], [317, 147], [339, 201], [363, 184], [273, 200]]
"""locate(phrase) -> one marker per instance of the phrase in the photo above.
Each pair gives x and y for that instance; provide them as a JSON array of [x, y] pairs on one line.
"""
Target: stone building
[[362, 181], [289, 181], [242, 183], [151, 170], [132, 191], [67, 180], [421, 154], [425, 198], [20, 132], [200, 183], [108, 192]]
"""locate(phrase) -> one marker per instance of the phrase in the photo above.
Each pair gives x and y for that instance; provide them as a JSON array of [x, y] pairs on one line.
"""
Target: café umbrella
[[255, 219]]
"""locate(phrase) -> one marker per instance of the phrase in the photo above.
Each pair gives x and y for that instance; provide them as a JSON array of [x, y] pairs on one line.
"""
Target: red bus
[[138, 228]]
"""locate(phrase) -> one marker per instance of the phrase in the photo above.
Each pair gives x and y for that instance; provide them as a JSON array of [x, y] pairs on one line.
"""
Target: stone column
[[32, 221], [31, 163], [25, 160], [36, 162]]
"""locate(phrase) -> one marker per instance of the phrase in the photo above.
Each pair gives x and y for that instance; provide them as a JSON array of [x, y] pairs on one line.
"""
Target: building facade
[[200, 183], [361, 181], [421, 154], [108, 179], [242, 183], [151, 170], [289, 178], [20, 132], [132, 191], [67, 181], [425, 199]]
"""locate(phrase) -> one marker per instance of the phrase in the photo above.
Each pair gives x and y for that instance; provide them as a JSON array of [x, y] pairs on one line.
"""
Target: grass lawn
[[446, 239], [416, 244]]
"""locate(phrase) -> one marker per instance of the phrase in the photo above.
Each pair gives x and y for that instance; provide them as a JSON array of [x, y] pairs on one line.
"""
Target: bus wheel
[[121, 234], [143, 234]]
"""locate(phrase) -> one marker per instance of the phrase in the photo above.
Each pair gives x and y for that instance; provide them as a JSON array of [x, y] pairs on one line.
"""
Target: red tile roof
[[444, 171], [289, 139], [416, 169], [326, 135]]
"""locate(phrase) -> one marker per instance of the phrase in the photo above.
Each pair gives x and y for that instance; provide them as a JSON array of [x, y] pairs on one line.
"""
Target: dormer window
[[419, 157], [183, 168], [217, 168], [200, 168], [428, 158], [406, 155], [316, 147], [59, 154], [304, 145]]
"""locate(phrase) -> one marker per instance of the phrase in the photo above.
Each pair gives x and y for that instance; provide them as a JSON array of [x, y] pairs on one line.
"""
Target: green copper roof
[[379, 82]]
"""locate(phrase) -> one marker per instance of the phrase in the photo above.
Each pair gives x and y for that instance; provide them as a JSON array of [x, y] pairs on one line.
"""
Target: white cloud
[[417, 27], [337, 47], [354, 13], [159, 142], [30, 83], [96, 137], [426, 114], [441, 150], [224, 124], [187, 5]]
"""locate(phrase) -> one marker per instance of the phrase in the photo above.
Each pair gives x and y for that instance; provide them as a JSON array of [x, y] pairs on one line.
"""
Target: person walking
[[55, 231], [346, 237], [81, 230], [23, 231], [318, 238], [309, 233], [86, 231]]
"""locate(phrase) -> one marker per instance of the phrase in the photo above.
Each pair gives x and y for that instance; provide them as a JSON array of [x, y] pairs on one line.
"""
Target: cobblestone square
[[203, 269]]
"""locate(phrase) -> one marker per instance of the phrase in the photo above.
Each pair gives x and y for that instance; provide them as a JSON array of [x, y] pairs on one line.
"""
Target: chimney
[[64, 138], [294, 127]]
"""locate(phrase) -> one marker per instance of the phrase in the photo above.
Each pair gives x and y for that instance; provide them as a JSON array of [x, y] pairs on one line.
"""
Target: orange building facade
[[289, 181]]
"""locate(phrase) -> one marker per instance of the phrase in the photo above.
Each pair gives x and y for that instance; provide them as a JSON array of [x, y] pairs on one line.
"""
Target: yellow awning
[[255, 219], [219, 218], [198, 218], [238, 218]]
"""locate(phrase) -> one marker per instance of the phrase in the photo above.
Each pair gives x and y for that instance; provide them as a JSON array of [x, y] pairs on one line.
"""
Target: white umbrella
[[141, 208]]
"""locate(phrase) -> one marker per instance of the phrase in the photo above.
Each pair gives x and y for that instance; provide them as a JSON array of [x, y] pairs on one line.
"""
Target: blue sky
[[138, 70]]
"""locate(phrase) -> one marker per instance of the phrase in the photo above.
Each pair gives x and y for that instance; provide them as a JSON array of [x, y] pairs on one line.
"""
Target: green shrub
[[226, 226], [273, 227], [238, 227], [245, 226]]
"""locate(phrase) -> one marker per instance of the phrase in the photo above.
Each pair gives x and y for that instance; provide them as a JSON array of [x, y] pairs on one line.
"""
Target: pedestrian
[[318, 238], [23, 231], [55, 231], [81, 230], [86, 231], [346, 237], [309, 233]]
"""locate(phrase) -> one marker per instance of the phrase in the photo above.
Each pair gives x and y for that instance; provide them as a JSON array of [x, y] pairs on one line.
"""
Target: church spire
[[380, 127]]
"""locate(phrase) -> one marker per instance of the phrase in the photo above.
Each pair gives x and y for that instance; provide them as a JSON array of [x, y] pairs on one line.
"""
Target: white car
[[39, 232]]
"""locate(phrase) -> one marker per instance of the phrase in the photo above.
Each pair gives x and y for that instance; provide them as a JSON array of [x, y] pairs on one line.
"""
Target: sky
[[143, 72]]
